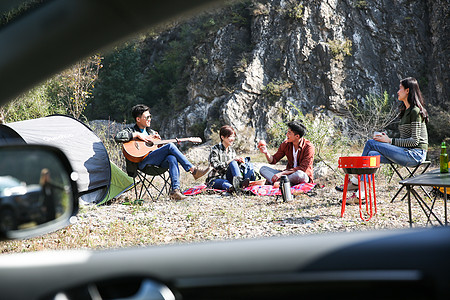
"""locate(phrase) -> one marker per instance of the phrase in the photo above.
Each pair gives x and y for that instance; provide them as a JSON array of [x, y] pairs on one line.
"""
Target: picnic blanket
[[258, 190]]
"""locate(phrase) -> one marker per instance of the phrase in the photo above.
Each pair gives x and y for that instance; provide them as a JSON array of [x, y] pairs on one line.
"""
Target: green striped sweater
[[413, 130]]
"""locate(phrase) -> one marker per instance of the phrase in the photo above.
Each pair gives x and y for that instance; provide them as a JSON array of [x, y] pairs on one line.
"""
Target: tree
[[119, 86], [74, 85], [373, 113]]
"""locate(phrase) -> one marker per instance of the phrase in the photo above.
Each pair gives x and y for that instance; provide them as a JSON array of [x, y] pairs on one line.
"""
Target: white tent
[[85, 151]]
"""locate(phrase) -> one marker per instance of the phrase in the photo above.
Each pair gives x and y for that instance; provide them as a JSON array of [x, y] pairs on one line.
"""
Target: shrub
[[119, 85], [373, 113], [325, 135], [362, 4], [274, 89], [296, 12], [339, 49], [241, 66], [31, 105], [74, 85]]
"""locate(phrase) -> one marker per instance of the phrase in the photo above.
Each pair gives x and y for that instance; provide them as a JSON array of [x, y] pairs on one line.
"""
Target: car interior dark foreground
[[394, 264]]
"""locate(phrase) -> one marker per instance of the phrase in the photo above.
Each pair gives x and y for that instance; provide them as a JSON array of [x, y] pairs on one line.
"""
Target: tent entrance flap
[[120, 183]]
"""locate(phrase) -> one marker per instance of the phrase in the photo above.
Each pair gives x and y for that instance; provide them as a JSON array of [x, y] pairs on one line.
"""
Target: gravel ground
[[211, 216], [215, 217]]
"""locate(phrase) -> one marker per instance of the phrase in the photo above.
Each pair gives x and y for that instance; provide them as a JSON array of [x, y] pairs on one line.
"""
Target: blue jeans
[[168, 156], [225, 184], [408, 157]]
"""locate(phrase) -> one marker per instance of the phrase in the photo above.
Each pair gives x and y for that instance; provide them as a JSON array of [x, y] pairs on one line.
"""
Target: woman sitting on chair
[[410, 149]]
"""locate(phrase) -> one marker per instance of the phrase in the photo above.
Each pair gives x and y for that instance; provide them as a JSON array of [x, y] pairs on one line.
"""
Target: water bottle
[[443, 159], [285, 188]]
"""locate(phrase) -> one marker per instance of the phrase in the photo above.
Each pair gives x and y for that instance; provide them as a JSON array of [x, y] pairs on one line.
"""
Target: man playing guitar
[[167, 156]]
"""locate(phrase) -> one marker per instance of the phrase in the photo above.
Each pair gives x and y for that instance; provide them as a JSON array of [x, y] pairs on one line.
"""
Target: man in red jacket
[[300, 155]]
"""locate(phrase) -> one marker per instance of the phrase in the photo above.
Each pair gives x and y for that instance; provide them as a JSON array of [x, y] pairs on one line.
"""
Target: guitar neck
[[160, 142]]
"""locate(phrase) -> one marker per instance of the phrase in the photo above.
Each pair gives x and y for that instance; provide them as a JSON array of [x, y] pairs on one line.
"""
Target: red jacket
[[305, 157]]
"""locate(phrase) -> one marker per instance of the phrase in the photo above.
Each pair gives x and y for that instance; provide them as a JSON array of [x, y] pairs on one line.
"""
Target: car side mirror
[[37, 191]]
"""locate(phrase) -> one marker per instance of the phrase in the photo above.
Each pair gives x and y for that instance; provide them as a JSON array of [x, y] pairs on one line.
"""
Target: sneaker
[[351, 187], [197, 173], [245, 183], [230, 190], [353, 199], [237, 183], [177, 195]]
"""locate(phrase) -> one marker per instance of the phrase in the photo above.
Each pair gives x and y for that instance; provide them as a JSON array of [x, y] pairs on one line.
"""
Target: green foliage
[[277, 133], [165, 80], [339, 49], [34, 104], [119, 86], [131, 76], [373, 113], [325, 135], [199, 61], [209, 23], [274, 89], [65, 93], [238, 18], [296, 11], [362, 4]]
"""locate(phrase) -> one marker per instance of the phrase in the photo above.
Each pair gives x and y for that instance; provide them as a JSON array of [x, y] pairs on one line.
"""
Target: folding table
[[433, 178]]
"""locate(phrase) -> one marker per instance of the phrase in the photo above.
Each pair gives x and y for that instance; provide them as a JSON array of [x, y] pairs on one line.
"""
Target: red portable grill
[[366, 166]]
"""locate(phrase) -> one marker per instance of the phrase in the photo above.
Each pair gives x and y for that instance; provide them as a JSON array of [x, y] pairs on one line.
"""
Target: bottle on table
[[443, 159]]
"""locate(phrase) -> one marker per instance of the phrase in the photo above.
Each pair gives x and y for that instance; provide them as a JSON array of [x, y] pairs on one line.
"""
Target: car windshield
[[296, 95]]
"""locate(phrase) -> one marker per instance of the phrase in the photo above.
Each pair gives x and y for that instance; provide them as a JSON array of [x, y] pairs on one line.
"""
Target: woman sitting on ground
[[411, 148], [226, 174]]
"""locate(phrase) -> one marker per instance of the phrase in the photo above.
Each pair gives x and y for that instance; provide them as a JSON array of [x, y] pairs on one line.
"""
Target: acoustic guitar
[[137, 150]]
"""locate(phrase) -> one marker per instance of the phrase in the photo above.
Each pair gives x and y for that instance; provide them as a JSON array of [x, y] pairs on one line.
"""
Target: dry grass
[[208, 217]]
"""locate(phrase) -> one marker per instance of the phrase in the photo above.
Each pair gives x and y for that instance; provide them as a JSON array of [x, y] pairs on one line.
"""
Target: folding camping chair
[[411, 173], [146, 178]]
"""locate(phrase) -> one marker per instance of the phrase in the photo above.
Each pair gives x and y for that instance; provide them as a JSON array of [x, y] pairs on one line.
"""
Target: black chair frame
[[411, 173], [146, 178]]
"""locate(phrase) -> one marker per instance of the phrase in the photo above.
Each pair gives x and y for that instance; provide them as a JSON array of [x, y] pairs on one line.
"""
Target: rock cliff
[[315, 54]]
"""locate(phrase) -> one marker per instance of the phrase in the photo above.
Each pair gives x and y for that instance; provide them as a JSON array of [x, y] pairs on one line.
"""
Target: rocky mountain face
[[315, 54]]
